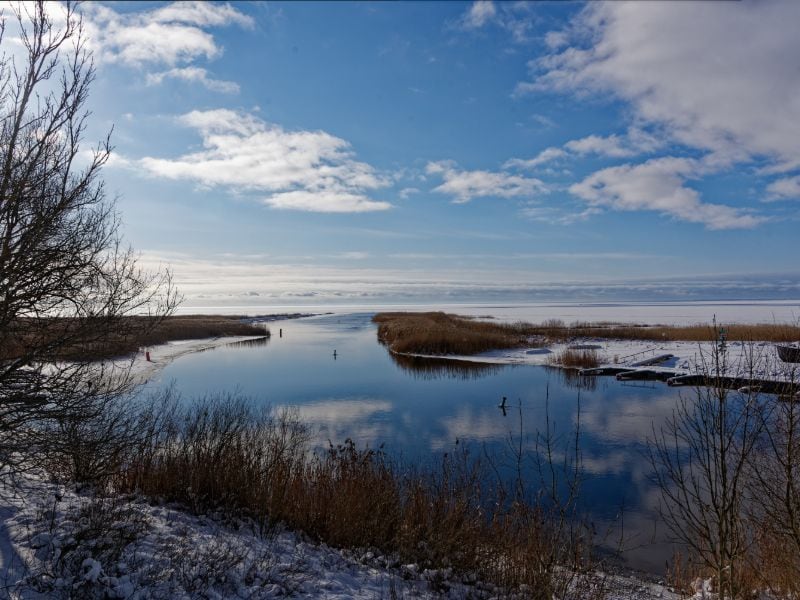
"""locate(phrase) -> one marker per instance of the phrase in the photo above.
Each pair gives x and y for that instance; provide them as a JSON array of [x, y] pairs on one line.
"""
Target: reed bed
[[571, 358], [219, 457], [133, 333], [441, 333]]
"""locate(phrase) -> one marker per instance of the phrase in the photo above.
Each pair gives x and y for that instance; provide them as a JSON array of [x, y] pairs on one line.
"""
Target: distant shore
[[151, 359], [643, 351]]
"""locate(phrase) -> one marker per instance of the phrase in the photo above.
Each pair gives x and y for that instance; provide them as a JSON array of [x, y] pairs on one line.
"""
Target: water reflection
[[364, 420], [254, 343], [420, 407], [428, 369], [573, 379]]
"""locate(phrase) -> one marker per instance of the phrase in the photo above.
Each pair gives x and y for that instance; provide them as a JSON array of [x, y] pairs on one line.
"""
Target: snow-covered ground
[[758, 359], [58, 543]]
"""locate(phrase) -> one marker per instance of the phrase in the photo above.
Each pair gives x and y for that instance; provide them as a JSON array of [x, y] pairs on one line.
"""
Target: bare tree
[[67, 283], [700, 460], [774, 489]]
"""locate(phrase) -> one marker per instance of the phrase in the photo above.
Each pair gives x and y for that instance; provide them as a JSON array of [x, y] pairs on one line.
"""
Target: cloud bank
[[298, 170]]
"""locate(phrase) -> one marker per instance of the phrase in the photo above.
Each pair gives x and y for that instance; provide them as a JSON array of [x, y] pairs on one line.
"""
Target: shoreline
[[686, 358], [162, 355]]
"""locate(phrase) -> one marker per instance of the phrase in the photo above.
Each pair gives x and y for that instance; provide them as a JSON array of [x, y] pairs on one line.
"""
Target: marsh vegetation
[[442, 333]]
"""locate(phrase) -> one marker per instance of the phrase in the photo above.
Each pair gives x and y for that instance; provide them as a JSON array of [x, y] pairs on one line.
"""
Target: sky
[[376, 152]]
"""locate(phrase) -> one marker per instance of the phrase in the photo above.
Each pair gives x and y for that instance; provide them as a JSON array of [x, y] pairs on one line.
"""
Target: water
[[419, 409]]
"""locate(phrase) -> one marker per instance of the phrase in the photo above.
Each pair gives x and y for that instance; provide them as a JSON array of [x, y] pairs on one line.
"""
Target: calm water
[[419, 409]]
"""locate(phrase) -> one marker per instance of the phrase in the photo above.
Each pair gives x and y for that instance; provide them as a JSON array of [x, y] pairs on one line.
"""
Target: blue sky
[[277, 153]]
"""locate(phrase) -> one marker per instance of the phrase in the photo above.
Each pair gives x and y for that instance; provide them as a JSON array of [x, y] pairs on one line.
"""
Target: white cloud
[[406, 193], [556, 39], [544, 156], [171, 35], [686, 67], [512, 17], [658, 185], [634, 142], [466, 185], [787, 188], [331, 201], [605, 146], [195, 75], [479, 14], [300, 170], [202, 14], [555, 216]]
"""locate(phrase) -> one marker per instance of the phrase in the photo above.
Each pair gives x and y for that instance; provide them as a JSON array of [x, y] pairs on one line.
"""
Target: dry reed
[[441, 333], [220, 457], [571, 358], [138, 332]]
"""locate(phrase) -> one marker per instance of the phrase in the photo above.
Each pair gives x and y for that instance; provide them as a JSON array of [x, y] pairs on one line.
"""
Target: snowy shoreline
[[163, 551], [164, 354], [758, 360]]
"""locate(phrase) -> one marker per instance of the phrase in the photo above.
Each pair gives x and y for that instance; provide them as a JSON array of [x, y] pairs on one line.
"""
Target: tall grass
[[219, 456], [575, 359], [135, 332], [441, 333]]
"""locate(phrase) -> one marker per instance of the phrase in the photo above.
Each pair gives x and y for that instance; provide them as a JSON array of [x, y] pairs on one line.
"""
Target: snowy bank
[[756, 359], [57, 543]]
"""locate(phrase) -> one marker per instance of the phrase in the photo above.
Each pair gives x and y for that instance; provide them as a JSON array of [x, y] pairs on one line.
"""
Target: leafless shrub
[[774, 493], [700, 460], [91, 450]]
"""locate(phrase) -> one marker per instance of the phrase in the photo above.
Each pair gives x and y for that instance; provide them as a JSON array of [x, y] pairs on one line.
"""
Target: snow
[[163, 354], [665, 313], [758, 359], [58, 543]]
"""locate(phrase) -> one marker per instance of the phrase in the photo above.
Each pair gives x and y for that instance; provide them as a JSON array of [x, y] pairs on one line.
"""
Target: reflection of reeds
[[255, 343], [441, 368], [572, 378]]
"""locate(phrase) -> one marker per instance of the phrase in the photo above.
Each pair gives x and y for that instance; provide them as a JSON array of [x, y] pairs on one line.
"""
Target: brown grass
[[441, 333], [575, 359], [222, 458], [135, 332]]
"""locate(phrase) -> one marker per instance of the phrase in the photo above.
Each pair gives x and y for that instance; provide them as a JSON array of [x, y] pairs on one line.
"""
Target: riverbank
[[149, 360], [684, 357], [642, 351], [55, 542]]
